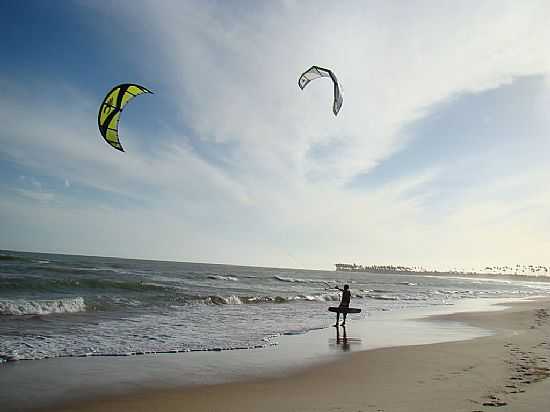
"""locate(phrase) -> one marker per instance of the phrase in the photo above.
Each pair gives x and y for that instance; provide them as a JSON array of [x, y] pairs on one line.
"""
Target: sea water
[[59, 305]]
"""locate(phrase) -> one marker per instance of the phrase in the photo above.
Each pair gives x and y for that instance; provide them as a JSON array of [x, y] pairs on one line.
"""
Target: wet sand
[[507, 371]]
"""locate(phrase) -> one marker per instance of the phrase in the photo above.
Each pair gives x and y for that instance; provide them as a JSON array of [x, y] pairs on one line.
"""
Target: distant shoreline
[[404, 270]]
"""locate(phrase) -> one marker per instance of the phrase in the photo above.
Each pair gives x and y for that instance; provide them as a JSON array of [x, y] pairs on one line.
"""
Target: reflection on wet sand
[[342, 341]]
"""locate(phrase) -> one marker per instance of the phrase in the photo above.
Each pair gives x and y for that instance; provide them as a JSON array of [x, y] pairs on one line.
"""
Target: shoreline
[[318, 360], [508, 369]]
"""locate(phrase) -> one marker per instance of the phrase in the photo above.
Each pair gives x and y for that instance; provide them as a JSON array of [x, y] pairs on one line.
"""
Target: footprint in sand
[[494, 403]]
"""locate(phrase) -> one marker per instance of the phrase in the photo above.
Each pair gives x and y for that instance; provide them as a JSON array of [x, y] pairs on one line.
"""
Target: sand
[[507, 372]]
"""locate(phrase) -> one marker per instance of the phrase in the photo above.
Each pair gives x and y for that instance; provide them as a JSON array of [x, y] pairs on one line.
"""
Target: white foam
[[220, 300], [326, 297], [233, 300], [382, 297], [41, 307], [291, 280], [220, 277]]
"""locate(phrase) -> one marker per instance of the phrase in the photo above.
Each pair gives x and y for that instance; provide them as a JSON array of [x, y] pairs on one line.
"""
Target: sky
[[439, 156]]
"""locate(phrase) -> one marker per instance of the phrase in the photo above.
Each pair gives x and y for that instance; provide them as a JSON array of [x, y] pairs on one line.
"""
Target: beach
[[91, 333], [508, 370], [192, 191]]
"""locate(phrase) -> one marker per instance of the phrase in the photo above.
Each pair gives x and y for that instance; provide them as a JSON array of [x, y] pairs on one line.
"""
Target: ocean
[[69, 306]]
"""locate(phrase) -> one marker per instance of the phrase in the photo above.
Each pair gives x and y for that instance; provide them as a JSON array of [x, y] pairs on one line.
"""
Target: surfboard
[[338, 309]]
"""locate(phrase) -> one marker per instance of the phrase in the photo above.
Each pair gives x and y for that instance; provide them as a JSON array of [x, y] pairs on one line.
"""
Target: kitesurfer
[[344, 304]]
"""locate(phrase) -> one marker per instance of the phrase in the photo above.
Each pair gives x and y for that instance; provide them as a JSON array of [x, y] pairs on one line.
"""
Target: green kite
[[111, 108]]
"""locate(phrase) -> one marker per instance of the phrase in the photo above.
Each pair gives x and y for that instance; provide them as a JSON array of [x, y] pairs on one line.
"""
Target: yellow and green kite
[[111, 108]]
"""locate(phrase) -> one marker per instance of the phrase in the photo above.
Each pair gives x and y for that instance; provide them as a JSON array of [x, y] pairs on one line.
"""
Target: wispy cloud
[[36, 195], [436, 156], [393, 68]]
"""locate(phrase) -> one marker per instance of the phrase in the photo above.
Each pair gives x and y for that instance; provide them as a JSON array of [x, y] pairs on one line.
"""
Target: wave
[[475, 278], [41, 307], [299, 280], [302, 331], [244, 300], [158, 296], [325, 297], [376, 296], [290, 280], [220, 300], [14, 356], [4, 257], [44, 284], [382, 297], [58, 269], [220, 277], [19, 258]]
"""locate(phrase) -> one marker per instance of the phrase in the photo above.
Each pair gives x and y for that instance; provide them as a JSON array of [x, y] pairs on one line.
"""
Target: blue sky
[[438, 156]]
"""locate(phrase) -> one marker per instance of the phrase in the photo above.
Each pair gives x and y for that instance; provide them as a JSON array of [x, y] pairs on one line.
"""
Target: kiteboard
[[339, 309]]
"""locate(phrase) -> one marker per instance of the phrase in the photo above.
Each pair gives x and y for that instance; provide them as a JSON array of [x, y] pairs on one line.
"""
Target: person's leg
[[337, 318], [344, 321]]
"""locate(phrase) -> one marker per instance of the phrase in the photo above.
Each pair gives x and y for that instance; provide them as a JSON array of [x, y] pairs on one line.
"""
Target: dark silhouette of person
[[344, 304]]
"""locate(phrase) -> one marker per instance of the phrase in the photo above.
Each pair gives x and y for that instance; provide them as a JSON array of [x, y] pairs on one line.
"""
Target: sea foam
[[41, 307]]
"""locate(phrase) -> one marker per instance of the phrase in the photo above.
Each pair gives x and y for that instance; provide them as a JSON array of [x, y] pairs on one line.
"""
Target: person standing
[[344, 304]]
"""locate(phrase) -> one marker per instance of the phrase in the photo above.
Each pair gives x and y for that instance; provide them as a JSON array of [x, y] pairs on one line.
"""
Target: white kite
[[316, 72]]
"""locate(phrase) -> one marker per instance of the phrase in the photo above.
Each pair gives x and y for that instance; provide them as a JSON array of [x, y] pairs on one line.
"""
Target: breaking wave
[[290, 280], [41, 307], [383, 297], [220, 277], [299, 280], [243, 300]]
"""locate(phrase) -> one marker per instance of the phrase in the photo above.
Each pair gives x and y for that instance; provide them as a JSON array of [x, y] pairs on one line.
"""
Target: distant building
[[347, 267], [518, 270]]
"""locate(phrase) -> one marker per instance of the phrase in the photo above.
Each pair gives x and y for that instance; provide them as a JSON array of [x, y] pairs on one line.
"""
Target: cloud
[[470, 138], [36, 195], [243, 167], [73, 147], [393, 68]]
